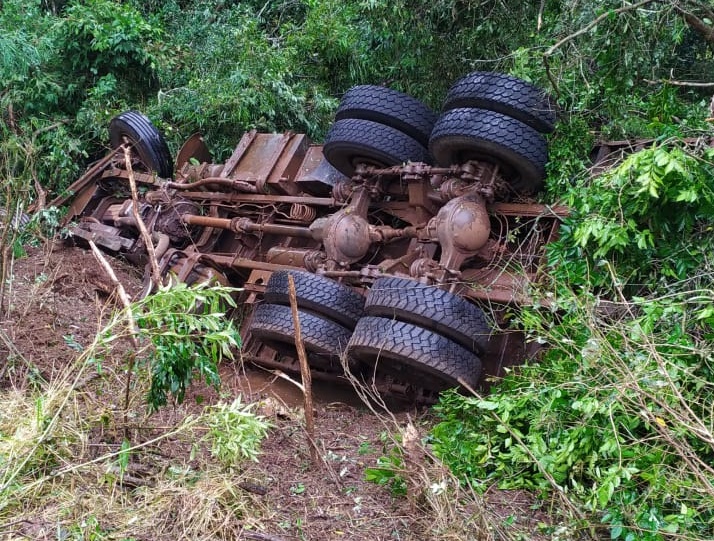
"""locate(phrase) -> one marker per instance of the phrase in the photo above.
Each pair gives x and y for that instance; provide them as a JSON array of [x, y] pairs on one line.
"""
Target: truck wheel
[[18, 222], [318, 294], [272, 324], [503, 94], [354, 141], [413, 354], [388, 107], [429, 307], [521, 152], [134, 129]]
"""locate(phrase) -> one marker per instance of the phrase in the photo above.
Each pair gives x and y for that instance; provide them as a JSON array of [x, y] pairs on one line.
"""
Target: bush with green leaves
[[229, 74], [615, 418], [643, 224], [105, 38], [235, 432], [189, 335], [389, 470]]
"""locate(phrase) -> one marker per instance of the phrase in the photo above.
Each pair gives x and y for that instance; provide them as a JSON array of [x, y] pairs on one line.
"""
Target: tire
[[317, 294], [352, 141], [454, 317], [503, 94], [388, 107], [272, 324], [18, 222], [134, 128], [413, 354], [521, 152]]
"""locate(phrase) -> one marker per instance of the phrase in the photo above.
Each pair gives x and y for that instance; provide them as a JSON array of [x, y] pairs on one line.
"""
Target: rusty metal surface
[[79, 186], [194, 148]]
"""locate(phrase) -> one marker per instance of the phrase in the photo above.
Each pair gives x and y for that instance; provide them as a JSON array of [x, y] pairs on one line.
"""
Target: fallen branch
[[133, 332], [673, 82], [257, 536], [698, 24], [50, 127], [304, 372], [146, 237], [541, 9]]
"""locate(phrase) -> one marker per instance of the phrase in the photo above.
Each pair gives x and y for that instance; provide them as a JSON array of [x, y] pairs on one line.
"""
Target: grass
[[64, 470], [614, 421], [74, 464]]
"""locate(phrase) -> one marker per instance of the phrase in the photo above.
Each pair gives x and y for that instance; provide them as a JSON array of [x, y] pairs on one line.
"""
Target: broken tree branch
[[698, 24], [673, 82], [304, 372], [146, 237], [133, 332], [549, 52], [541, 9]]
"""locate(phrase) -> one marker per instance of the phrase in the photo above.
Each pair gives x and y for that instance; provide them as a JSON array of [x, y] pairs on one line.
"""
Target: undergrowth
[[615, 419], [187, 334], [70, 451]]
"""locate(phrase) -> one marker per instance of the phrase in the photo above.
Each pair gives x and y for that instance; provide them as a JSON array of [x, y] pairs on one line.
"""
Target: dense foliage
[[221, 67], [616, 417]]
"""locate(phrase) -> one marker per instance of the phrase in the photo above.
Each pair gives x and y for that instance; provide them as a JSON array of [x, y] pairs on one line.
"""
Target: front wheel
[[135, 130]]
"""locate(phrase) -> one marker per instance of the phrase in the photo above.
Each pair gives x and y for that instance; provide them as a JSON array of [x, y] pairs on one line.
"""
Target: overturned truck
[[408, 234]]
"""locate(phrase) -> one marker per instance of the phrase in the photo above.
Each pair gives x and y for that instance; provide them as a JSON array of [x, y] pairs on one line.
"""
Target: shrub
[[189, 335], [616, 417], [235, 432]]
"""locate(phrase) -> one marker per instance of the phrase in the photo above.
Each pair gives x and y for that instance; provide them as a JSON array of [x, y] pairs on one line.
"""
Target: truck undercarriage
[[408, 234]]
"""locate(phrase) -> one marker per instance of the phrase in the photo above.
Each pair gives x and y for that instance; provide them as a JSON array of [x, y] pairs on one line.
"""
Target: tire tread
[[504, 94], [433, 361], [389, 107]]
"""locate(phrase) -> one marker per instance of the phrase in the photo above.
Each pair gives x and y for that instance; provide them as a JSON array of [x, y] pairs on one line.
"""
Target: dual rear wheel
[[489, 117], [419, 335]]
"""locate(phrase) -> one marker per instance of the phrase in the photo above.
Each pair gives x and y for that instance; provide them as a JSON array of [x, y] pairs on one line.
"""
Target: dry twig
[[133, 333], [674, 82], [304, 372], [146, 237]]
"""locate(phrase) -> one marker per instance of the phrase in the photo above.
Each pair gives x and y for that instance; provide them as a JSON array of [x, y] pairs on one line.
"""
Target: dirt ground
[[59, 297]]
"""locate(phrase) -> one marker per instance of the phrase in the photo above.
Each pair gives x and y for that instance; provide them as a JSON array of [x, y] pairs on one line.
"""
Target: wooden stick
[[130, 320], [155, 272], [258, 536], [304, 372]]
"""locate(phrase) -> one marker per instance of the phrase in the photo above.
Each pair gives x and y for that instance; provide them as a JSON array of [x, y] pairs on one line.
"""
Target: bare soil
[[59, 297]]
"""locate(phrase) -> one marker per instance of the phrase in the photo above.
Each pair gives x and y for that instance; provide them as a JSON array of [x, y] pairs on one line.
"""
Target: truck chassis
[[408, 235]]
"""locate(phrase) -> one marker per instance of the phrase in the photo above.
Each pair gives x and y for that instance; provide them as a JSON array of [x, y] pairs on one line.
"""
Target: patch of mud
[[56, 301]]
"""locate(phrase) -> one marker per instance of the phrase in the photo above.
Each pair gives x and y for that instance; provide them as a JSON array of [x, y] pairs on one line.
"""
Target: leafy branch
[[557, 45]]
